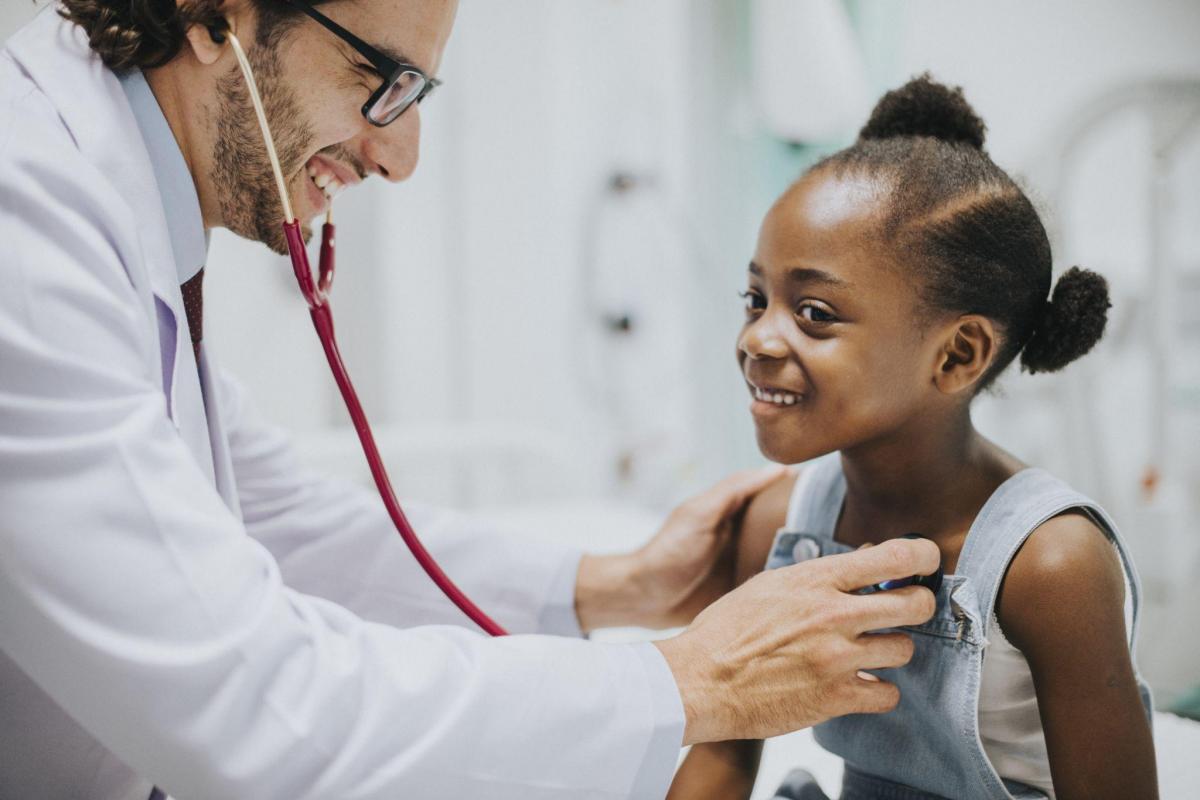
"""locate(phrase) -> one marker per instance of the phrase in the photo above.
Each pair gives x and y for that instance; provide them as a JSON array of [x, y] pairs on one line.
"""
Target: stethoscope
[[316, 294]]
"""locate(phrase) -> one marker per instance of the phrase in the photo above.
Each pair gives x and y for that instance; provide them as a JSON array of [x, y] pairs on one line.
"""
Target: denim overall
[[929, 746]]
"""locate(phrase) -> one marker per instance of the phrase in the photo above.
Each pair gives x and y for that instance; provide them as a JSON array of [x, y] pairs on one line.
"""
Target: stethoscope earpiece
[[218, 31]]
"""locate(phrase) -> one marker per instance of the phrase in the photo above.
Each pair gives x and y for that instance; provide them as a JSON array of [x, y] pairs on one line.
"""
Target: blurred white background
[[542, 320]]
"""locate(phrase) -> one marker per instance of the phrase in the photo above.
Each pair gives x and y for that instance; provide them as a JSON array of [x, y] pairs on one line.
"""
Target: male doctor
[[183, 609]]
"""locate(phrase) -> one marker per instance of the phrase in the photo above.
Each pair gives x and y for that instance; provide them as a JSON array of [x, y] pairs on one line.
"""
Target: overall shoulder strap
[[812, 515], [817, 497], [1015, 510]]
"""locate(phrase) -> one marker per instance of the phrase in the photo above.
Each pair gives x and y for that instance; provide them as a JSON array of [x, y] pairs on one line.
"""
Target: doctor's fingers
[[883, 650], [859, 696], [729, 495], [891, 560], [895, 608]]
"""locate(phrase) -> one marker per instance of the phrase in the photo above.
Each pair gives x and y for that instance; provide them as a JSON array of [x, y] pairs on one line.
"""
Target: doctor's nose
[[392, 151]]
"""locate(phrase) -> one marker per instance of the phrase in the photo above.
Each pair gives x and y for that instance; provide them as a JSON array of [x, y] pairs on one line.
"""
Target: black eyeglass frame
[[389, 69]]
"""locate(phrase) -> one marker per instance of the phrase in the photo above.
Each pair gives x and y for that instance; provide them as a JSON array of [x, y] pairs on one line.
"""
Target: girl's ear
[[968, 350]]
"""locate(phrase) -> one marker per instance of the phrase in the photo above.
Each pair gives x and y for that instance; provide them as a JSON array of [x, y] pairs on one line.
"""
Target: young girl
[[891, 284]]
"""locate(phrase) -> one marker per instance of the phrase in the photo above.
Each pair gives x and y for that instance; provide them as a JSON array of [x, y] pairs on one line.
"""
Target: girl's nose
[[763, 338]]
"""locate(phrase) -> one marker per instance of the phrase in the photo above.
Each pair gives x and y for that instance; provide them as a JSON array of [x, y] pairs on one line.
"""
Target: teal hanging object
[[1188, 705], [812, 82], [807, 70]]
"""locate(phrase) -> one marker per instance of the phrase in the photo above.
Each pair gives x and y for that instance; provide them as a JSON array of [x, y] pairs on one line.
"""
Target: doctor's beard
[[246, 188]]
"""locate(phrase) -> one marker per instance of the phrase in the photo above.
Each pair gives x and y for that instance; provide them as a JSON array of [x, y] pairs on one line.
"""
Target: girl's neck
[[931, 479]]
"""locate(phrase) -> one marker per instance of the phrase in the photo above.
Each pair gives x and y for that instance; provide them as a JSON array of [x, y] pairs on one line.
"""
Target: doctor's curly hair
[[137, 34]]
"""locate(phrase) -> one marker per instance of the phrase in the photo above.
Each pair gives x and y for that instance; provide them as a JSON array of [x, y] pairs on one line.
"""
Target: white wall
[[15, 14]]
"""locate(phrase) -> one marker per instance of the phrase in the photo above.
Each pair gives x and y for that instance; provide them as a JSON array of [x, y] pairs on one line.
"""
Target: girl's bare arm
[[1062, 606]]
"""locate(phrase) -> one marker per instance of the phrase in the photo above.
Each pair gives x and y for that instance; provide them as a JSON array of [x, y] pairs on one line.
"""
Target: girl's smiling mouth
[[770, 398]]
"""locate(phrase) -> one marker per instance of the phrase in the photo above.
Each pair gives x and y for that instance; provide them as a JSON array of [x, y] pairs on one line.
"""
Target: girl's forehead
[[827, 201], [825, 217]]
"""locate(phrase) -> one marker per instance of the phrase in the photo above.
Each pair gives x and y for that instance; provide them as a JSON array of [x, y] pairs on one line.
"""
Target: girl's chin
[[778, 449]]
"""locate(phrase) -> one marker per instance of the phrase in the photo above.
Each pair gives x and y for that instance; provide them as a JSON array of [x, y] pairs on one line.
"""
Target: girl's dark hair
[[129, 34], [968, 230]]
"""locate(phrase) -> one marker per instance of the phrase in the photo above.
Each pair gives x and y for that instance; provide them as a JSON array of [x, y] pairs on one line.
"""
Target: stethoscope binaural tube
[[316, 294]]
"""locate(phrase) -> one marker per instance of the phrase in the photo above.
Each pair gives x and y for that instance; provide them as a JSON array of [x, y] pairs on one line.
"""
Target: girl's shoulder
[[1047, 555], [1067, 572]]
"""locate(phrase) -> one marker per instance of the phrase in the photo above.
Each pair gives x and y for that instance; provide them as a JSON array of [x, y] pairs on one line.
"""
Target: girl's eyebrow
[[808, 275]]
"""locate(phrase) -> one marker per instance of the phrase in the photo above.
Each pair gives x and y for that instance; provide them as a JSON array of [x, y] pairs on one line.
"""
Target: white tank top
[[1010, 727]]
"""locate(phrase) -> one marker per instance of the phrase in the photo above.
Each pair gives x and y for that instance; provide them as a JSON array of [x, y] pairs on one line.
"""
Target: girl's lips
[[777, 397], [763, 408], [767, 401], [774, 394]]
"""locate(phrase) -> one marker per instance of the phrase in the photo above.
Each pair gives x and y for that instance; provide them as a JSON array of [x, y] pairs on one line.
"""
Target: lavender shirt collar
[[181, 204]]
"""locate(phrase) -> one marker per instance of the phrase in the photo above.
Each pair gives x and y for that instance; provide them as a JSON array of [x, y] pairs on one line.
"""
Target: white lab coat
[[180, 603]]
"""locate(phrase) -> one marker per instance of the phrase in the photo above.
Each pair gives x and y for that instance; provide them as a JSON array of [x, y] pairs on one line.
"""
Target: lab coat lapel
[[219, 440], [91, 102]]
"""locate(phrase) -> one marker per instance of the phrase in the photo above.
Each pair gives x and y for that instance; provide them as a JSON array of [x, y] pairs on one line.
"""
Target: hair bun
[[924, 107], [1070, 324]]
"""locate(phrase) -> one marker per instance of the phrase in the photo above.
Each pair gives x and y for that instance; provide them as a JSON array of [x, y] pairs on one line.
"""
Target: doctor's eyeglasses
[[403, 84]]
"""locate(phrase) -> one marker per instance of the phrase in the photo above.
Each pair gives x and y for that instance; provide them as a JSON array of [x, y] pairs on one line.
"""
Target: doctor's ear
[[968, 348], [207, 39], [209, 25]]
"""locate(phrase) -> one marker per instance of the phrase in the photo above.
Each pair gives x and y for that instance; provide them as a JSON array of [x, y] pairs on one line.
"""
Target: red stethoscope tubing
[[317, 296]]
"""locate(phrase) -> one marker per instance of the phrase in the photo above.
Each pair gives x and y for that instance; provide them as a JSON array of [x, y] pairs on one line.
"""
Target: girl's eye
[[811, 312], [754, 300]]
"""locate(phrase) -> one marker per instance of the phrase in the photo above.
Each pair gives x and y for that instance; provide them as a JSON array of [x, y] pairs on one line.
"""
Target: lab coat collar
[[89, 98], [93, 106]]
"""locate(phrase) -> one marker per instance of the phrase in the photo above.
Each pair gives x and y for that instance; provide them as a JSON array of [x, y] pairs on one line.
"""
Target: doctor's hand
[[786, 650], [686, 566]]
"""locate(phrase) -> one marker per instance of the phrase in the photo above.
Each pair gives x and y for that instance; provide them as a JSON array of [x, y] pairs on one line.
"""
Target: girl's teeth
[[321, 180], [777, 398], [333, 187]]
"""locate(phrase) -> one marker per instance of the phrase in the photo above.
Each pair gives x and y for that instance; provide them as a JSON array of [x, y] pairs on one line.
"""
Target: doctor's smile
[[329, 179], [212, 589]]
